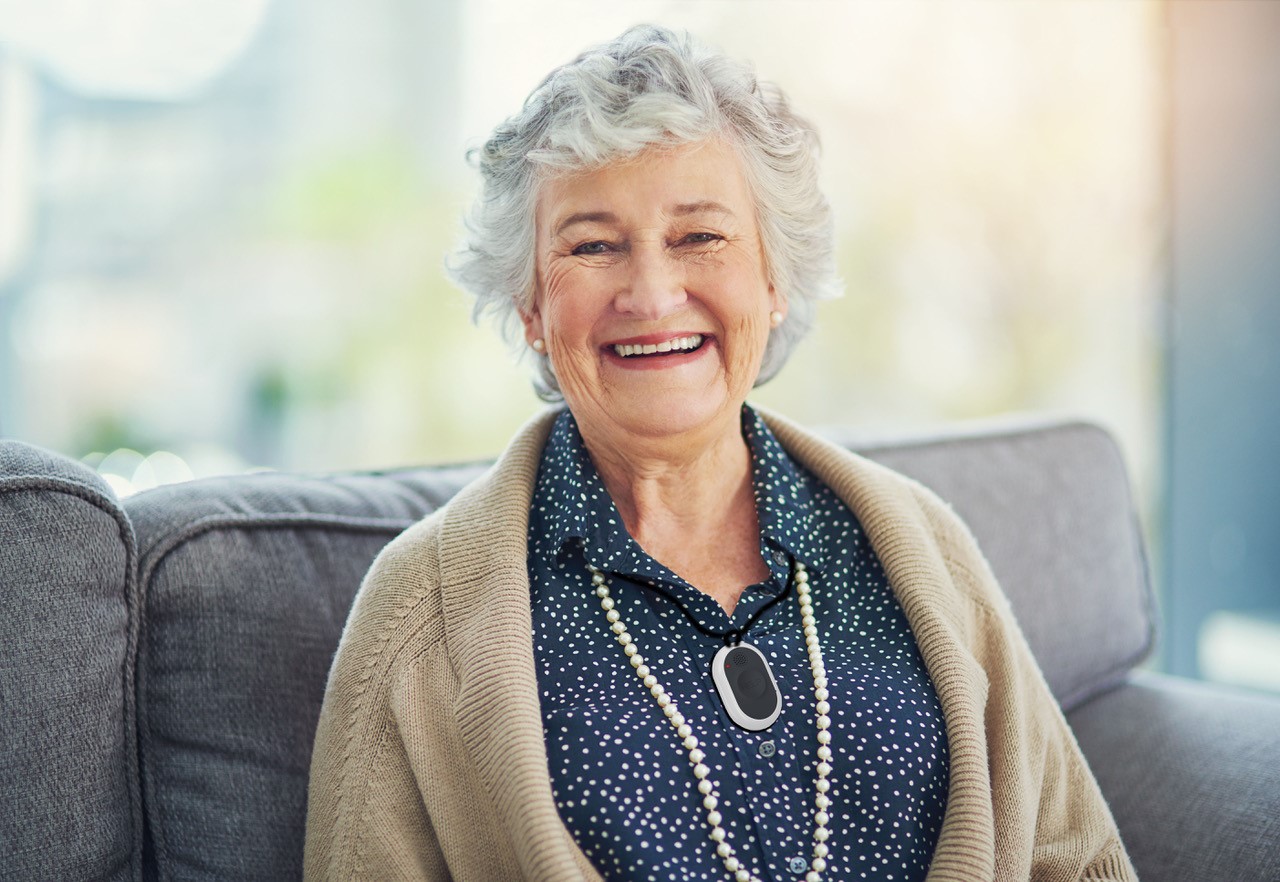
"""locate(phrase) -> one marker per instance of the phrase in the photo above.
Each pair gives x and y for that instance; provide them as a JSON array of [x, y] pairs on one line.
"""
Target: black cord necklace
[[741, 673], [733, 636]]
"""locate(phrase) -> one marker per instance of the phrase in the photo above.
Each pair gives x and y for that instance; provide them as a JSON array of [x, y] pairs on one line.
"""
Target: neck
[[660, 484]]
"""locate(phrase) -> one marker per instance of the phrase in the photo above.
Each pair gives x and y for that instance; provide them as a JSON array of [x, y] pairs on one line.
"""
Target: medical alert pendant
[[747, 687]]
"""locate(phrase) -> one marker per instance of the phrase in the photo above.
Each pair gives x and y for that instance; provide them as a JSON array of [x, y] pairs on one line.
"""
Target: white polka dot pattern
[[620, 776]]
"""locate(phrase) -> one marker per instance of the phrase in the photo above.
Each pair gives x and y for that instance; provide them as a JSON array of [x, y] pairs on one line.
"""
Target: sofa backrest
[[1051, 508], [245, 583], [69, 801]]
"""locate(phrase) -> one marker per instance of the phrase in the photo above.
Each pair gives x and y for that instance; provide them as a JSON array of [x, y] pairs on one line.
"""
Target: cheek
[[568, 300]]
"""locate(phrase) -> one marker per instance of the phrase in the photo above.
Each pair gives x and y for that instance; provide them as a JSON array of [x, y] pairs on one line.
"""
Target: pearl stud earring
[[539, 345], [775, 318]]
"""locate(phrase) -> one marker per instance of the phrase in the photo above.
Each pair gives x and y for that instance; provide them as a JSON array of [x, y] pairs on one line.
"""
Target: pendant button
[[767, 749], [799, 865]]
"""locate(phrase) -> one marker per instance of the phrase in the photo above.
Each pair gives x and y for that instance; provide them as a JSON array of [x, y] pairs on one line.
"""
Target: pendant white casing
[[743, 716]]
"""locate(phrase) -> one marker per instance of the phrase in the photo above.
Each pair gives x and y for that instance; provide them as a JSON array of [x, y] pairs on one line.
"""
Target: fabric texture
[[429, 761], [621, 781], [247, 582], [69, 801], [1190, 770]]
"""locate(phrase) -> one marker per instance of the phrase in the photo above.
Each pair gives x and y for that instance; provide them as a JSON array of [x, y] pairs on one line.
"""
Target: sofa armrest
[[1192, 774]]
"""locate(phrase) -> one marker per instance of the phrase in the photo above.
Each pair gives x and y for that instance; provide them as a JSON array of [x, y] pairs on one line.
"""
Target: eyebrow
[[586, 217], [706, 206], [684, 209]]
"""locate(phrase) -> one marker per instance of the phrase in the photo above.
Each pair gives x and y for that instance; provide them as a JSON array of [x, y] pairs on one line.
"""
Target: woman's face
[[652, 294]]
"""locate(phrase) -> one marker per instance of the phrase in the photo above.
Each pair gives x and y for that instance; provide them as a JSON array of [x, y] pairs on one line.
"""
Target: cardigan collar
[[485, 603]]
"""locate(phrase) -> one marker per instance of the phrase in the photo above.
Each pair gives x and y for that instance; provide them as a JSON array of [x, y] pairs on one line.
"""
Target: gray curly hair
[[649, 87]]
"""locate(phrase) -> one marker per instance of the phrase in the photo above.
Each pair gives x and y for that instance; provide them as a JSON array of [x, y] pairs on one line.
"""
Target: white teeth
[[693, 341]]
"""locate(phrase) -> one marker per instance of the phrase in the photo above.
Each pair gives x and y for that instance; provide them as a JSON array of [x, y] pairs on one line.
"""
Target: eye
[[592, 248], [700, 238]]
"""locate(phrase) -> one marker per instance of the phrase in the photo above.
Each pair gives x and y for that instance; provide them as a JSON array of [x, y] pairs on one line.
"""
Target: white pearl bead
[[629, 649], [820, 682], [696, 755], [824, 737], [701, 771], [820, 850], [677, 720], [822, 802], [663, 701], [718, 834], [824, 769], [656, 689], [824, 752], [710, 802], [649, 680], [670, 709], [684, 732], [690, 741], [820, 693], [618, 627], [602, 590], [607, 604], [821, 819], [636, 661], [811, 876], [714, 819], [823, 785], [810, 631], [824, 722], [819, 865], [732, 864], [821, 834], [742, 876], [704, 786], [812, 642], [612, 615], [642, 669], [724, 850], [823, 708]]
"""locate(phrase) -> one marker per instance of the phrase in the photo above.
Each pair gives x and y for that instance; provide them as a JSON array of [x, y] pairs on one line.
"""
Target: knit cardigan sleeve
[[1051, 821], [366, 816]]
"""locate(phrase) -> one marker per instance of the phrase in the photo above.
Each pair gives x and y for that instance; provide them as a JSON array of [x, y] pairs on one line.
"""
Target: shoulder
[[402, 593], [912, 529]]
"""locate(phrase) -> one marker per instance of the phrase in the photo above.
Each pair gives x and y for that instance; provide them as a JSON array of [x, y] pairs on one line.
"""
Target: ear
[[532, 321], [777, 301]]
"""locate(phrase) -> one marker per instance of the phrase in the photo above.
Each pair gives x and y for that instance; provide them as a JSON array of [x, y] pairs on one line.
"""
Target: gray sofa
[[163, 658]]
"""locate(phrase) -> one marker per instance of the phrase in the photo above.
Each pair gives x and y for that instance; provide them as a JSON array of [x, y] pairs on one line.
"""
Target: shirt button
[[780, 558], [799, 865], [767, 749]]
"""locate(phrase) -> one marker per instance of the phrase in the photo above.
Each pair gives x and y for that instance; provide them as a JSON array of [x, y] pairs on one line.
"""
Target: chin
[[658, 417]]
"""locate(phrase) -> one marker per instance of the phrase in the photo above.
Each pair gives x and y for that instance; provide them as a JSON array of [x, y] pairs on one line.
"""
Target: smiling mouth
[[675, 346]]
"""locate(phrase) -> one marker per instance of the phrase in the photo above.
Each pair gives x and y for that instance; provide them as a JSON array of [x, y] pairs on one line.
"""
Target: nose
[[654, 284]]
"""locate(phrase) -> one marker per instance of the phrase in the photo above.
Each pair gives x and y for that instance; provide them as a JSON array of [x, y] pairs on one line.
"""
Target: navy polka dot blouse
[[621, 778]]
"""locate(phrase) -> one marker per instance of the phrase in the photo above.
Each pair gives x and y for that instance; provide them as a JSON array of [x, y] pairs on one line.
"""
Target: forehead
[[657, 182]]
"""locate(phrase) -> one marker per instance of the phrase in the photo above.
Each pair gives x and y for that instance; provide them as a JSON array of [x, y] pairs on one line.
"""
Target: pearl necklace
[[706, 786]]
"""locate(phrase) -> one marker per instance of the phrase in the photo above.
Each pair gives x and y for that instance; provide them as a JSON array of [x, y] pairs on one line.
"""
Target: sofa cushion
[[246, 584], [69, 799], [1189, 772], [1051, 509]]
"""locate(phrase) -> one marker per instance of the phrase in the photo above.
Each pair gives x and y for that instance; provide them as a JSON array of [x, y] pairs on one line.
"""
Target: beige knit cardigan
[[429, 759]]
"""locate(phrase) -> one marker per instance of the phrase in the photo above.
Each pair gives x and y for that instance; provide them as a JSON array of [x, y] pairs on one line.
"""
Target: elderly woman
[[669, 636]]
